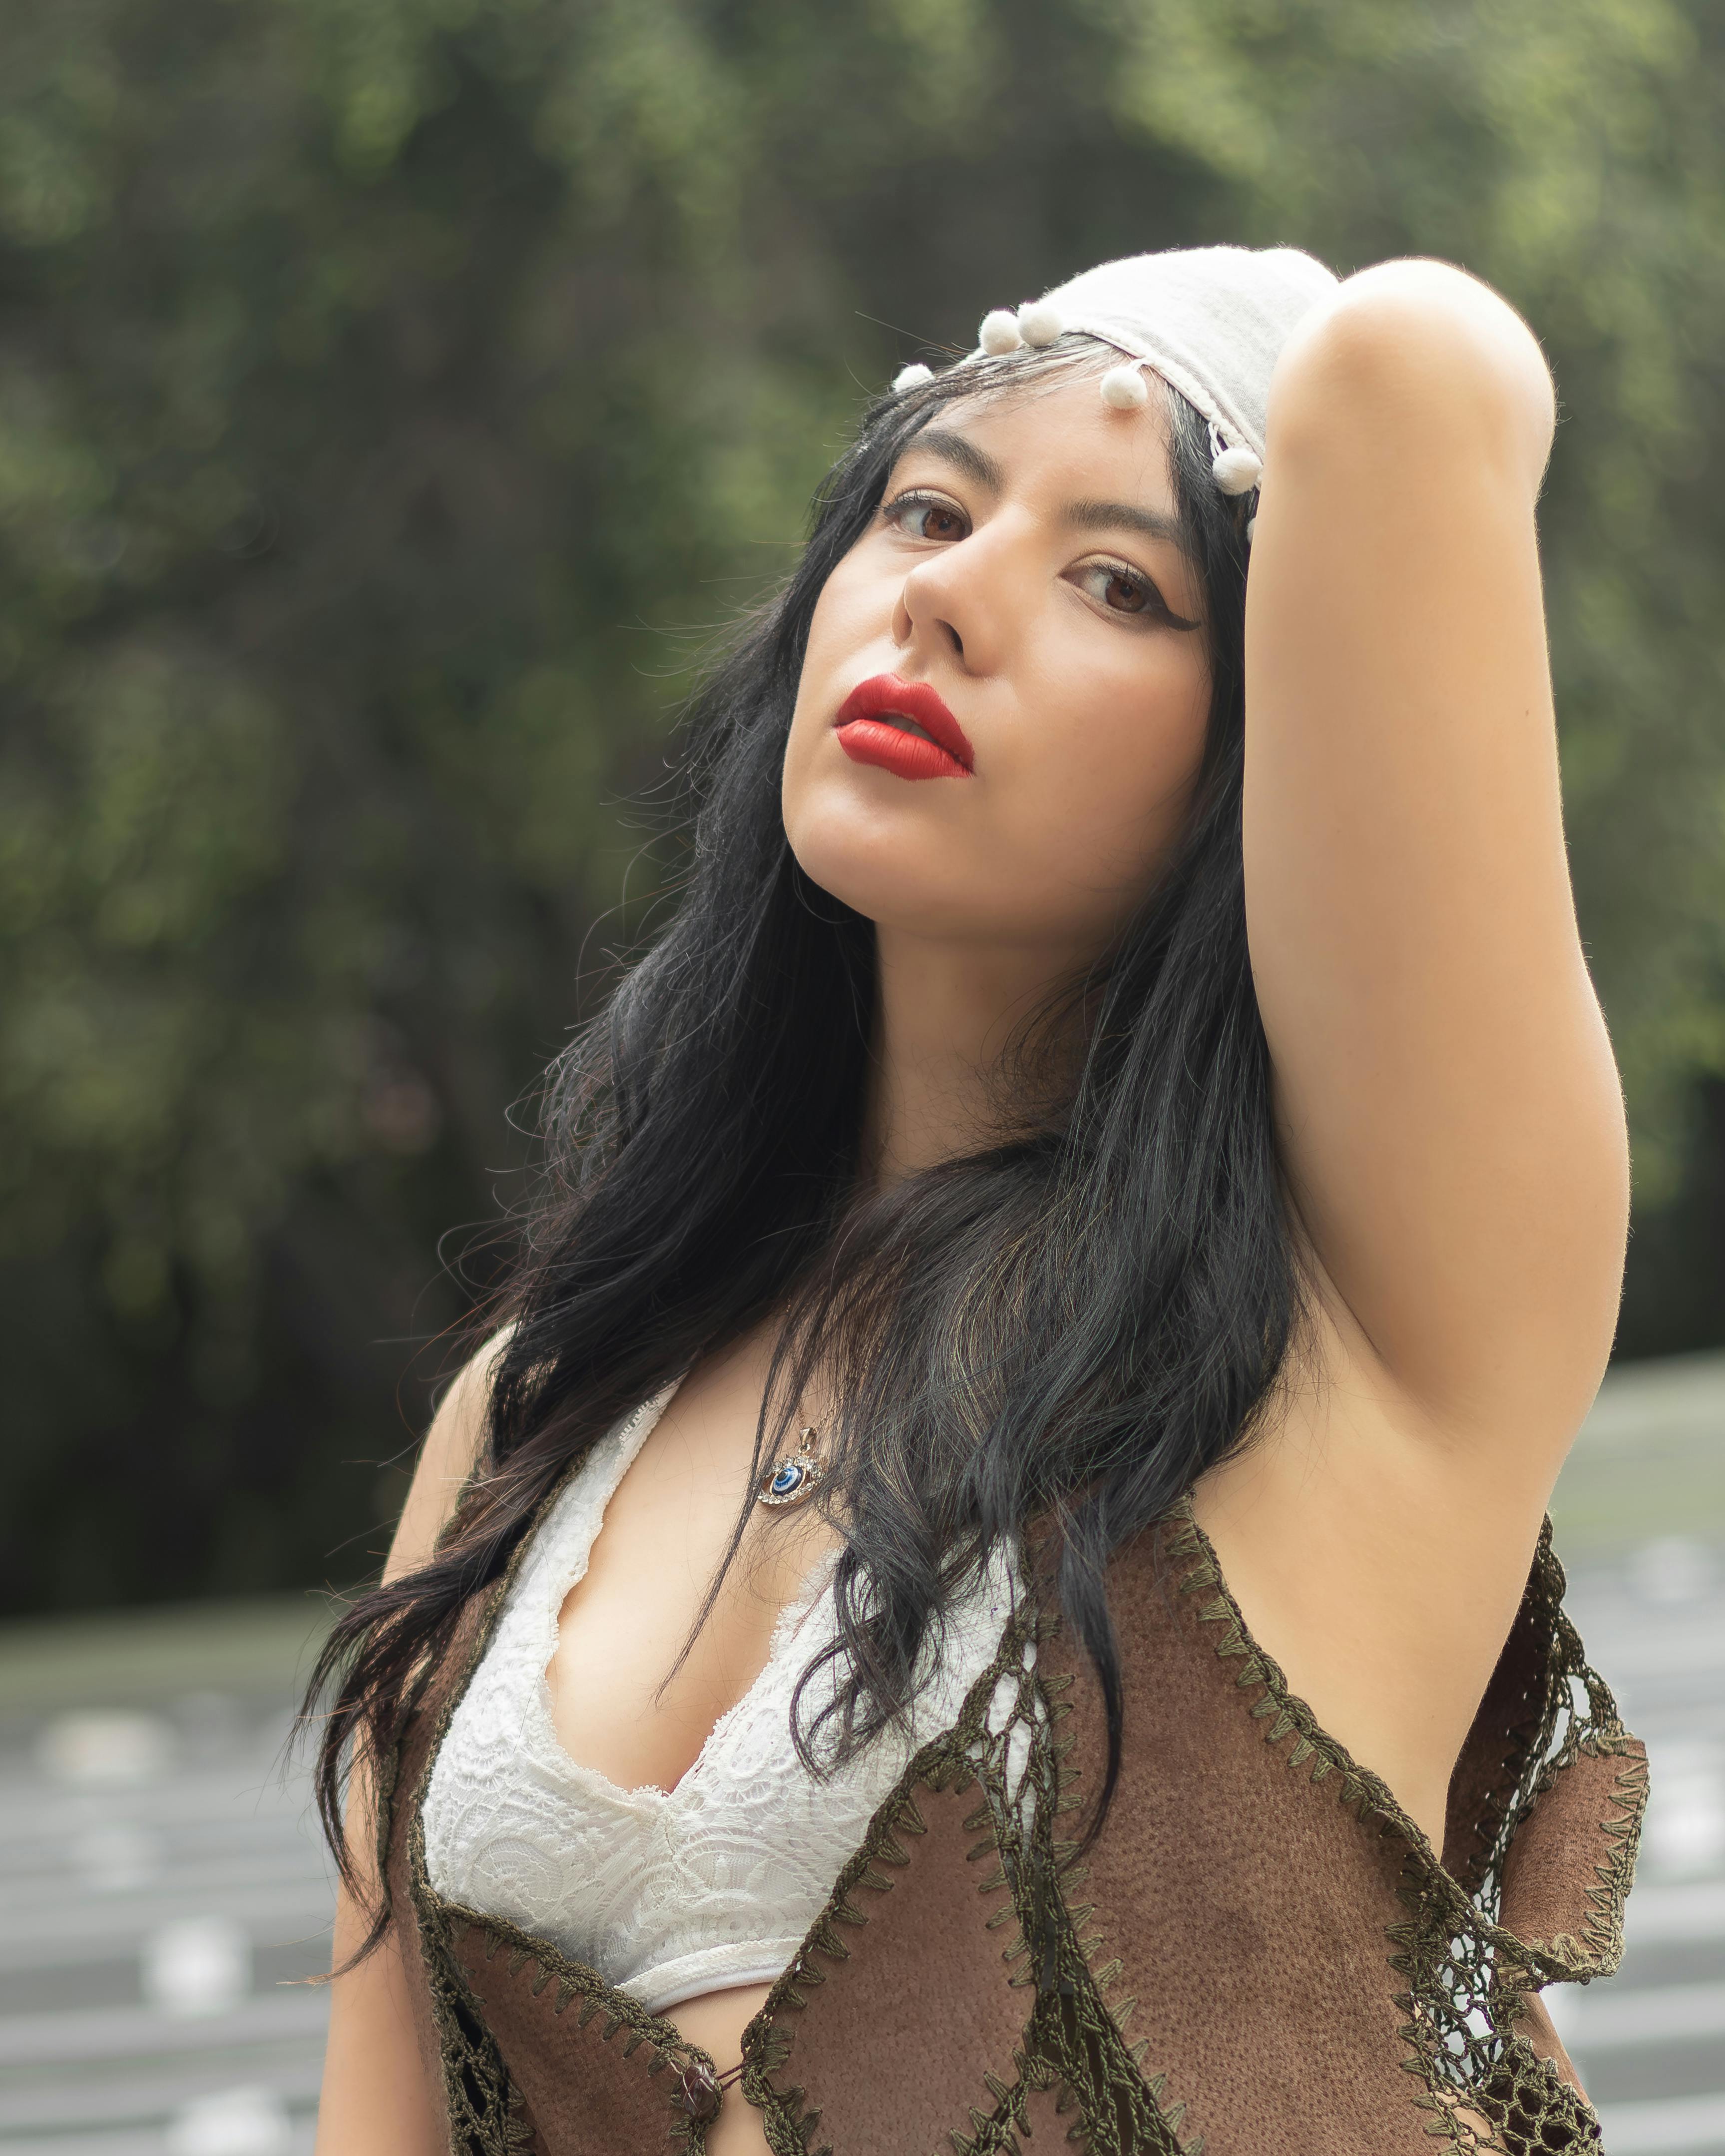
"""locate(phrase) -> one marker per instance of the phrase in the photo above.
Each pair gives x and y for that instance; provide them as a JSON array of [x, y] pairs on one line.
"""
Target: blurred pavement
[[163, 1892], [1641, 1523], [164, 1895]]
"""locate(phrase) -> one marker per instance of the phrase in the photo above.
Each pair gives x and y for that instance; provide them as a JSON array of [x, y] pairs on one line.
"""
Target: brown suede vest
[[1258, 1955]]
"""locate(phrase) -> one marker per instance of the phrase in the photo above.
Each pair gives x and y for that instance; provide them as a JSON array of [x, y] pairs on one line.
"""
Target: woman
[[1121, 1125]]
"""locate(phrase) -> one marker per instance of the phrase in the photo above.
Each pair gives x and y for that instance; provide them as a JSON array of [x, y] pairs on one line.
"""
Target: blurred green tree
[[394, 393]]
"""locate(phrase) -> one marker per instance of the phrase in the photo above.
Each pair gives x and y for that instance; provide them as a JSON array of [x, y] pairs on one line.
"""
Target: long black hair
[[1070, 1324]]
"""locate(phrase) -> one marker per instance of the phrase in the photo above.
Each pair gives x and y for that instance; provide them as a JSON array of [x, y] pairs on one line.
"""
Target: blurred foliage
[[393, 395]]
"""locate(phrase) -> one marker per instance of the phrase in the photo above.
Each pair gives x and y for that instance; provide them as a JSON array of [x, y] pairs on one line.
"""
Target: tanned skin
[[1449, 1116]]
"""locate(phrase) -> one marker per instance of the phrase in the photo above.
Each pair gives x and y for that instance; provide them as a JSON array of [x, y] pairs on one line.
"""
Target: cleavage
[[623, 1705]]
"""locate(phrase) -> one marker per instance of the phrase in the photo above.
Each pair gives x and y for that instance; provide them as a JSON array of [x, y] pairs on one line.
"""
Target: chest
[[658, 1638], [705, 1881]]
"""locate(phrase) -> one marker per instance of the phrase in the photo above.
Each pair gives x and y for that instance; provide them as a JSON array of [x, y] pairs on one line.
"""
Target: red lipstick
[[867, 735]]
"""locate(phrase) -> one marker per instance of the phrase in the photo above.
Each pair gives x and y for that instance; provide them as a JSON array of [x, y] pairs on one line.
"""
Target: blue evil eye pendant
[[792, 1477]]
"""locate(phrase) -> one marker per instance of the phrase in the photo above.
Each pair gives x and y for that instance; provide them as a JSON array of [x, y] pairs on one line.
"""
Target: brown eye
[[928, 516], [1125, 594], [1128, 593]]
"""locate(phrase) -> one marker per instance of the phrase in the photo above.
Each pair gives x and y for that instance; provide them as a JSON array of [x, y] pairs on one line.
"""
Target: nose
[[955, 604]]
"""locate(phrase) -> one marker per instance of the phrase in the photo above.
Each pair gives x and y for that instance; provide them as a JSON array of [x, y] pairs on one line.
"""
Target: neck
[[944, 1014]]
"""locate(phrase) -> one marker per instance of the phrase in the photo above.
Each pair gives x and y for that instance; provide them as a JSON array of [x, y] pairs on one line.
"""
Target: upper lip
[[884, 695]]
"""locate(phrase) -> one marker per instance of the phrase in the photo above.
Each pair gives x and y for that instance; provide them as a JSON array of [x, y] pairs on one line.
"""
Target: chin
[[886, 869], [870, 883]]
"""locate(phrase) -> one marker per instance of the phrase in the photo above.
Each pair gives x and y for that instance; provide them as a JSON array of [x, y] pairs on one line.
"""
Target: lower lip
[[906, 756]]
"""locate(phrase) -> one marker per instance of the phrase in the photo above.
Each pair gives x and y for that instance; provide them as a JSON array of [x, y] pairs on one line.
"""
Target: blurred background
[[397, 396]]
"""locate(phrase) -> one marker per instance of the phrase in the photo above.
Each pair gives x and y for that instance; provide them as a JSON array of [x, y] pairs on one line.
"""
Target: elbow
[[1417, 352]]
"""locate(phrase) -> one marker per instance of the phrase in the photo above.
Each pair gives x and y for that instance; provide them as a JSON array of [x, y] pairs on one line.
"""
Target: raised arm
[[375, 2102], [1449, 1111]]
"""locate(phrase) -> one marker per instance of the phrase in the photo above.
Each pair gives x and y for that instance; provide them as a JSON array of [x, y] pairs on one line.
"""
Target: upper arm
[[1449, 1111], [376, 2099], [446, 1462]]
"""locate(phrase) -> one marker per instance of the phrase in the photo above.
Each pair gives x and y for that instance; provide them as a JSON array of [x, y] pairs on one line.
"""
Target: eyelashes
[[1118, 589], [1126, 593], [906, 511]]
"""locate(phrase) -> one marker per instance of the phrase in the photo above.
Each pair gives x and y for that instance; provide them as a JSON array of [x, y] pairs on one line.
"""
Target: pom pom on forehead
[[1210, 320], [1125, 388]]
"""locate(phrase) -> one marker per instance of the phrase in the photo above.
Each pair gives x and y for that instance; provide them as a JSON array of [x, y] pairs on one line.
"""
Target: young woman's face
[[1001, 710]]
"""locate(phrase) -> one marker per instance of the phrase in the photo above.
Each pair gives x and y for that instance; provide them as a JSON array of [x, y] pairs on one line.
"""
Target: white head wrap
[[1209, 320]]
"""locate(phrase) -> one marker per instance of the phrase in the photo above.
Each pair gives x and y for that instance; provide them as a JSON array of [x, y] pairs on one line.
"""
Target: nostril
[[957, 640]]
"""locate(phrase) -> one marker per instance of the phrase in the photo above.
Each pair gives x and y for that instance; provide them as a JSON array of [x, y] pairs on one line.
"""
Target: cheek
[[1086, 756], [852, 612], [1104, 774], [854, 609]]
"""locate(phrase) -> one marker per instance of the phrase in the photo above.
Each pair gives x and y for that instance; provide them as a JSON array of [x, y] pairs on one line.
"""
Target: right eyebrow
[[962, 453], [1125, 517]]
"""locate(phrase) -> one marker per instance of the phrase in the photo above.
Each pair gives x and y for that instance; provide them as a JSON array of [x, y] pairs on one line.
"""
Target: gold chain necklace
[[792, 1477]]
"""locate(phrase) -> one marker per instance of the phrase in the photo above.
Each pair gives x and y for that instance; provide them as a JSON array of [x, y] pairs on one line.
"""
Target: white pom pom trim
[[999, 332], [1039, 323], [1238, 470], [911, 377], [1125, 388]]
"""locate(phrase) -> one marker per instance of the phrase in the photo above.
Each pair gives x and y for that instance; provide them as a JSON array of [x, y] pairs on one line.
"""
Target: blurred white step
[[1609, 2020], [1659, 1915], [98, 2098], [93, 1931], [141, 2032], [1667, 2126]]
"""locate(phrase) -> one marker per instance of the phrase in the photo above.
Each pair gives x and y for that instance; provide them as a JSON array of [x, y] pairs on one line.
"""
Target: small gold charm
[[791, 1479]]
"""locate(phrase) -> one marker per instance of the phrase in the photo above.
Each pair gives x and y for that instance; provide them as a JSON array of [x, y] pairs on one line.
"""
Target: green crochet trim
[[664, 2046], [1468, 1979], [1073, 2042], [488, 2113], [485, 2110]]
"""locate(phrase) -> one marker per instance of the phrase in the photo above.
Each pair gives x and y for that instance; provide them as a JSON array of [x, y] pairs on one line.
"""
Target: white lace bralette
[[666, 1894]]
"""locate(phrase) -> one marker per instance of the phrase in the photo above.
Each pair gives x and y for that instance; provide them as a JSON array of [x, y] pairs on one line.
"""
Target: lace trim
[[669, 1892]]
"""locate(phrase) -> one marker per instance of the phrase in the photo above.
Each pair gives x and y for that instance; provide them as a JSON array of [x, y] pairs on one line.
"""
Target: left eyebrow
[[1123, 515]]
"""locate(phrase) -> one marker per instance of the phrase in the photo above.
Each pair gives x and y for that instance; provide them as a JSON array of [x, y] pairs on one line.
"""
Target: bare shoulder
[[446, 1462]]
